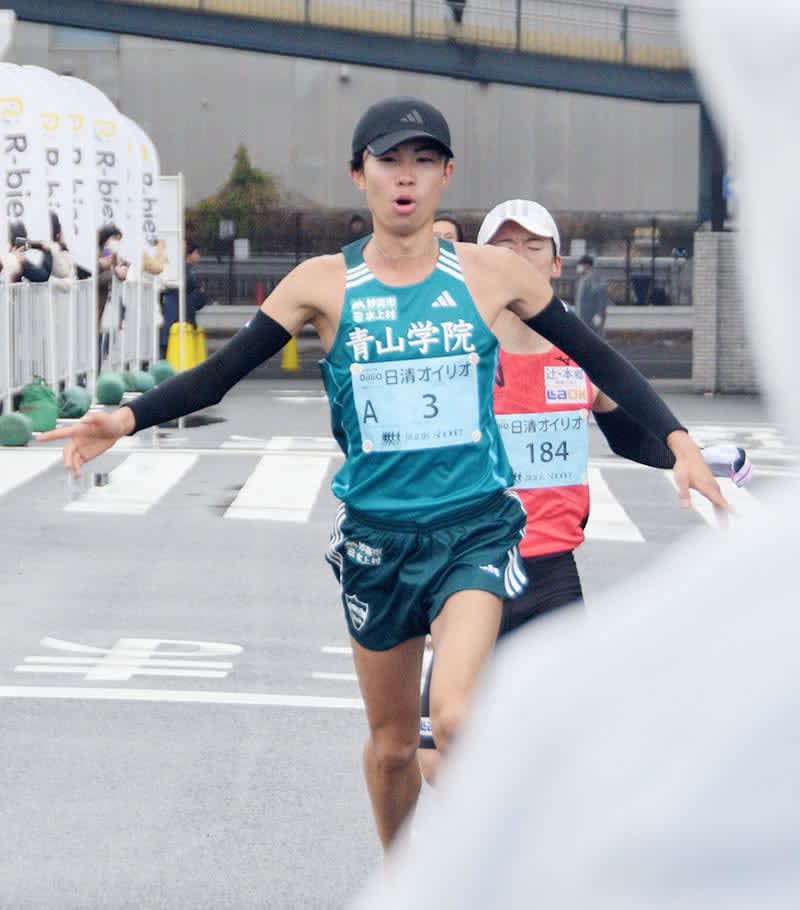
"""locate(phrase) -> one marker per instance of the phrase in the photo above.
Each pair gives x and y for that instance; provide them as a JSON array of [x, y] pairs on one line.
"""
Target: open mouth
[[405, 205]]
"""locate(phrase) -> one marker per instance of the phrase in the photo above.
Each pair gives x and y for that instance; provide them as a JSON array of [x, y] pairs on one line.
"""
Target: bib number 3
[[406, 405]]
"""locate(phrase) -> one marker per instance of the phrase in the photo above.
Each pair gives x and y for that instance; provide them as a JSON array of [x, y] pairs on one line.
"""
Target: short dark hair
[[457, 225], [108, 230], [191, 246], [586, 260], [357, 161]]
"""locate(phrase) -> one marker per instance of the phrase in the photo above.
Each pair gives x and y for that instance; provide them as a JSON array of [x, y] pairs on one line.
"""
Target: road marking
[[607, 519], [90, 662], [174, 696], [17, 468], [282, 443], [281, 488], [339, 677], [140, 671], [130, 657], [136, 484]]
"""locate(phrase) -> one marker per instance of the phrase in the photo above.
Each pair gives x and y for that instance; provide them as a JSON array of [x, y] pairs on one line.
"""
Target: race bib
[[547, 450], [427, 403]]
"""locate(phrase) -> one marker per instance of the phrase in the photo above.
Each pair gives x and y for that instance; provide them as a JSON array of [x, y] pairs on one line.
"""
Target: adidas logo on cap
[[412, 116]]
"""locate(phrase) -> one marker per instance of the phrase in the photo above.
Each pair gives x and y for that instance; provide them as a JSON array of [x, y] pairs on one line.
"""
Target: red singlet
[[540, 384]]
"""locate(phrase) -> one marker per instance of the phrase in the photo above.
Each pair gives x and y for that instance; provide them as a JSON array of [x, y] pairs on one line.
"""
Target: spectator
[[63, 270], [591, 298], [20, 263], [109, 264], [448, 229], [196, 297], [356, 228], [155, 262]]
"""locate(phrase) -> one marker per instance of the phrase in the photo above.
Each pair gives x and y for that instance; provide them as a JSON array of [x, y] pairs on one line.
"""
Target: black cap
[[395, 120]]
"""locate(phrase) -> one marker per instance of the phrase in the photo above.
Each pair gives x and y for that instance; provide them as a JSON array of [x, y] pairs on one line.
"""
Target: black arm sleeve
[[609, 370], [207, 383], [631, 440]]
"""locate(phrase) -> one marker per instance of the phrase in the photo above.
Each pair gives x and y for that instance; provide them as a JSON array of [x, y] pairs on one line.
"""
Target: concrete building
[[572, 152]]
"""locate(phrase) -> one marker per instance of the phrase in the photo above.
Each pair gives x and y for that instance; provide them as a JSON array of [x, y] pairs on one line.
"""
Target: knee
[[446, 721], [391, 750]]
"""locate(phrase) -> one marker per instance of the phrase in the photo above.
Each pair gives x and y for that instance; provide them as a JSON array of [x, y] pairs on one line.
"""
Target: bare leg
[[389, 683], [464, 635]]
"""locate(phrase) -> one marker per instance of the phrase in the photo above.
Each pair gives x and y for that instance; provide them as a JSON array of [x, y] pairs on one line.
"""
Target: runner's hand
[[692, 473], [91, 436]]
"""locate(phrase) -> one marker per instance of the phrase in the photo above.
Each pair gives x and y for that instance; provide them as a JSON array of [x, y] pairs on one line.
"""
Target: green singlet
[[410, 379]]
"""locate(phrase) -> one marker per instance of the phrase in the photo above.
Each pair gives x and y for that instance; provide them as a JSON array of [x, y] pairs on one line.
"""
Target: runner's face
[[446, 230], [537, 250], [403, 187]]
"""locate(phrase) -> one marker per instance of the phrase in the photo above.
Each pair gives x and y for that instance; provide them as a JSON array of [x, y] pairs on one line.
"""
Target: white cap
[[529, 215]]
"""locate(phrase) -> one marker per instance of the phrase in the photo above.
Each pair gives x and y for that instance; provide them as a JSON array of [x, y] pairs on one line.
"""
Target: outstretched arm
[[267, 332], [619, 379]]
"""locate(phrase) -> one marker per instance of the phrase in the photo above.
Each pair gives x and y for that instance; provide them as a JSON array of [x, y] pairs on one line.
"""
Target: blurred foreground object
[[646, 755]]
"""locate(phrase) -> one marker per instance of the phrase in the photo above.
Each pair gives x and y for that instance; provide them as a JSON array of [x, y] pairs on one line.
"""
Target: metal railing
[[49, 330], [129, 327], [614, 32]]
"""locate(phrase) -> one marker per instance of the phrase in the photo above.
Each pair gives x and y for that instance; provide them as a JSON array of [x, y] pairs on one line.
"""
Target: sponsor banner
[[109, 178], [22, 157], [56, 135], [132, 244]]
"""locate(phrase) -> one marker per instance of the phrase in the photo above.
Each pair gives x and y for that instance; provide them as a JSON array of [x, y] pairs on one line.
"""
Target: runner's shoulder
[[486, 259], [484, 254], [491, 273], [319, 275]]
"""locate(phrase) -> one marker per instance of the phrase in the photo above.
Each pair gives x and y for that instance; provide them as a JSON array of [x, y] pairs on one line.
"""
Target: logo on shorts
[[492, 570], [363, 553], [358, 610]]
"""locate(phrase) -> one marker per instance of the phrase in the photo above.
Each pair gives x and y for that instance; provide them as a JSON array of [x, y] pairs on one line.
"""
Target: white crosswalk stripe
[[283, 479], [136, 485], [18, 467], [608, 520], [281, 488]]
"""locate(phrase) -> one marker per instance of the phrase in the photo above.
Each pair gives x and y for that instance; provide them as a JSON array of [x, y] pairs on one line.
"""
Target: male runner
[[426, 538], [542, 399]]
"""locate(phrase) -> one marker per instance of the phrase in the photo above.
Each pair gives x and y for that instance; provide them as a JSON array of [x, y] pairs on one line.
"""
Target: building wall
[[721, 355], [572, 152]]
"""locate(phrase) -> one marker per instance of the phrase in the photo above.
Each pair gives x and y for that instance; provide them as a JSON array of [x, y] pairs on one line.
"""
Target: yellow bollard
[[181, 335], [290, 361], [200, 346]]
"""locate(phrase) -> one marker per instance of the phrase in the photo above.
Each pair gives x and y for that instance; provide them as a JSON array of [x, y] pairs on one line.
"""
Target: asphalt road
[[180, 726]]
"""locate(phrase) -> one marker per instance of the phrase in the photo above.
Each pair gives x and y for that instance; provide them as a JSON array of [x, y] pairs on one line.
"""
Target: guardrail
[[49, 330], [612, 32]]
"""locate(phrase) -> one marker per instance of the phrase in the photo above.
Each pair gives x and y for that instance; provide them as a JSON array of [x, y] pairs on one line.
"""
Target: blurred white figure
[[649, 756]]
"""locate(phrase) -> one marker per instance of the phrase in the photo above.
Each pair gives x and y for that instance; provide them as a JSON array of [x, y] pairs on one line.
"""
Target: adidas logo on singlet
[[412, 116], [444, 300]]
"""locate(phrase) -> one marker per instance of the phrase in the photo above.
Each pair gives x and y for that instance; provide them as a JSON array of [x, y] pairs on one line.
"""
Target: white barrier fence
[[49, 330], [129, 327]]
